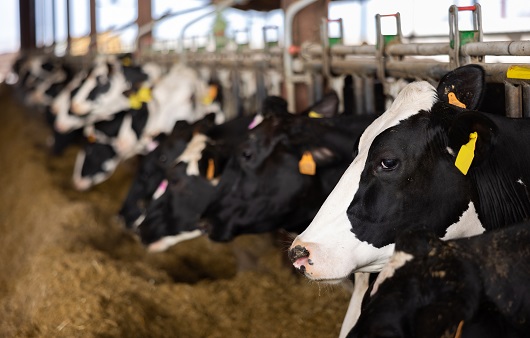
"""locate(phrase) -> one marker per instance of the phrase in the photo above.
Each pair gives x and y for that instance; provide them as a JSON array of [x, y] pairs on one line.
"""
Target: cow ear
[[463, 87], [327, 107], [472, 136]]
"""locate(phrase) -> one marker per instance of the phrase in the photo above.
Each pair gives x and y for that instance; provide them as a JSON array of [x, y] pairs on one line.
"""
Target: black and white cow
[[173, 212], [405, 173], [175, 208], [469, 287], [178, 95], [153, 166], [263, 187]]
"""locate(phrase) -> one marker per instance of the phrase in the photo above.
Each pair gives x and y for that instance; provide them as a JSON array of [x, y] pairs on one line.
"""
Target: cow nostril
[[298, 252]]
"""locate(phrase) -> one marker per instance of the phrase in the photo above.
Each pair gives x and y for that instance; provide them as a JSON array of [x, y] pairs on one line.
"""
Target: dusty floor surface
[[69, 269]]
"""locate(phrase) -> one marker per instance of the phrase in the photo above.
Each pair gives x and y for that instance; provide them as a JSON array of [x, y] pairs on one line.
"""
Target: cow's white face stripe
[[335, 250], [193, 153]]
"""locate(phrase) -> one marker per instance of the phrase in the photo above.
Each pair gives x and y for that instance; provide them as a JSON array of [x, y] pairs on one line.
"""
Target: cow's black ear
[[327, 107], [463, 87], [462, 132]]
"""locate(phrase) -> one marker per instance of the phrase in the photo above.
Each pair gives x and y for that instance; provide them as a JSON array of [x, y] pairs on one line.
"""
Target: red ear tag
[[307, 165]]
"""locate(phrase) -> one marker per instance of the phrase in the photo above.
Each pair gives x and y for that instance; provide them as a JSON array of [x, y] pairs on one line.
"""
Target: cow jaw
[[334, 251]]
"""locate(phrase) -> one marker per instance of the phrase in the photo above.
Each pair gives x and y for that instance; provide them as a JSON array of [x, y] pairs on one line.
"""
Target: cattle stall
[[70, 268]]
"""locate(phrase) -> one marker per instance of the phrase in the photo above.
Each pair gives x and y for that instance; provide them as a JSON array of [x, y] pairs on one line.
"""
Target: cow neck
[[502, 181]]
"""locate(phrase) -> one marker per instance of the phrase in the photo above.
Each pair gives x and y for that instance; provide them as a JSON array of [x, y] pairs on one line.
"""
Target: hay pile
[[69, 269]]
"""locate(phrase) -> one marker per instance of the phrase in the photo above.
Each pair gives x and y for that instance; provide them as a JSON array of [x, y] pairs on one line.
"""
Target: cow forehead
[[414, 98]]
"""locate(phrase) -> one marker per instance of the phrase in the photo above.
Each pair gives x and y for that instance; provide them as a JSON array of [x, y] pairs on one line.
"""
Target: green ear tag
[[466, 154]]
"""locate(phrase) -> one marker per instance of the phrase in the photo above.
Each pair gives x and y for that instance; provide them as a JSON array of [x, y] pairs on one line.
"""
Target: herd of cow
[[426, 206]]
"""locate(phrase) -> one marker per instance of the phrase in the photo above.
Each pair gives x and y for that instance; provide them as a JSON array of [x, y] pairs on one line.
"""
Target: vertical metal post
[[144, 17], [28, 38], [68, 29], [526, 99], [513, 100], [93, 28], [290, 12], [54, 25]]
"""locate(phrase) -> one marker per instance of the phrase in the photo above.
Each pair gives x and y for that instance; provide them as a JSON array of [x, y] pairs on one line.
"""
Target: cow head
[[101, 93], [174, 212], [154, 165], [403, 174], [427, 289], [94, 164], [263, 188]]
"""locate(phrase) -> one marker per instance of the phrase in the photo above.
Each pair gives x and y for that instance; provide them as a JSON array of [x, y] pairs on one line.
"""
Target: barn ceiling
[[257, 5]]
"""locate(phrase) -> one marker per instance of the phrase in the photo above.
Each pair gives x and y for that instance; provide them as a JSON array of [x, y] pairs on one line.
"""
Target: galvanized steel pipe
[[501, 48], [290, 13]]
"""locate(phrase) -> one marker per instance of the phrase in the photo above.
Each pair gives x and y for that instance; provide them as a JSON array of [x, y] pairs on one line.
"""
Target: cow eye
[[389, 164]]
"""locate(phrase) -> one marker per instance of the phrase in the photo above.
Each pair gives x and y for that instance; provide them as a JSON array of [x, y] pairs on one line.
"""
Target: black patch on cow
[[96, 155], [476, 280]]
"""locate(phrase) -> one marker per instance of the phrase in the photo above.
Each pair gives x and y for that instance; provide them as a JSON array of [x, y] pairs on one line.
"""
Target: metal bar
[[290, 13], [526, 100], [425, 49], [501, 48], [513, 100]]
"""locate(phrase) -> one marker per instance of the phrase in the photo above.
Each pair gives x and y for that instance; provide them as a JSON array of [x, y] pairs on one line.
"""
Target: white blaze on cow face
[[193, 153], [334, 250], [107, 103]]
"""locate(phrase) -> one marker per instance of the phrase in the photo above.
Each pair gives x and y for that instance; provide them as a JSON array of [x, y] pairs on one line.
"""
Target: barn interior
[[70, 268]]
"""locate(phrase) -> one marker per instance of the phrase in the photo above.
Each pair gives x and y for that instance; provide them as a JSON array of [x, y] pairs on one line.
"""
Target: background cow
[[262, 187]]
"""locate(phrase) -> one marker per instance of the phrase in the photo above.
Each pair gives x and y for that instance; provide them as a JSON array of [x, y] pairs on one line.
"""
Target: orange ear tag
[[210, 172], [454, 101], [307, 165], [91, 138], [212, 94]]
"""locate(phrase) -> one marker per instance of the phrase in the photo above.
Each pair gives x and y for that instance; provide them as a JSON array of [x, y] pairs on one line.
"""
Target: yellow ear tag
[[210, 172], [135, 102], [212, 94], [454, 101], [307, 165], [314, 115], [126, 61], [144, 94], [466, 154]]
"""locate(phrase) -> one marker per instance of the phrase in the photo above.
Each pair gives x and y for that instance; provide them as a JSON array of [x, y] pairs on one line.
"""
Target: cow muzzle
[[299, 256]]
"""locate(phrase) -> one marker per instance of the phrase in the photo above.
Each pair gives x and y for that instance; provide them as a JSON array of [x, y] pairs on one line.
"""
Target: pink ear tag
[[160, 190], [257, 120]]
